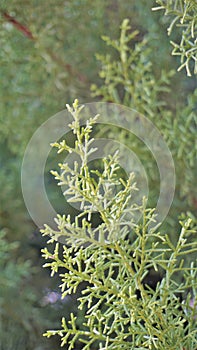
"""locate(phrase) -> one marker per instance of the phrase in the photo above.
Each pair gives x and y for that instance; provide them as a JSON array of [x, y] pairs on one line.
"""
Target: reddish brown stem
[[26, 31], [23, 29]]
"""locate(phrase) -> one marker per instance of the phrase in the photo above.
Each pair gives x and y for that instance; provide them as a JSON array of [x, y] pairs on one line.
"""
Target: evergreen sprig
[[184, 15], [121, 308], [129, 79]]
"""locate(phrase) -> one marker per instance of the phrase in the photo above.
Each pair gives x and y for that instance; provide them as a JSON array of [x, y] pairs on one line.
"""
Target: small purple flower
[[51, 298], [192, 308], [193, 304]]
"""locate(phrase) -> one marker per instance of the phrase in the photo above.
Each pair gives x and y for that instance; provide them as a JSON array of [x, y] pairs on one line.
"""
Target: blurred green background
[[47, 59]]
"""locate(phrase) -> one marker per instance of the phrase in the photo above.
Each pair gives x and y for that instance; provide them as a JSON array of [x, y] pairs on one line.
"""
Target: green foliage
[[115, 259], [115, 318], [180, 133], [15, 297], [130, 79], [183, 14], [47, 57], [43, 63]]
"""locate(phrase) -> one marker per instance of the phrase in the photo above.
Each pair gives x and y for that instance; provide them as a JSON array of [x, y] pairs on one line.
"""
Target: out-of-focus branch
[[26, 32], [19, 26]]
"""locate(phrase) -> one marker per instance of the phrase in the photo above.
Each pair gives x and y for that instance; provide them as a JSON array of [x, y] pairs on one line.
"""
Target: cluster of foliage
[[129, 79], [116, 259], [38, 54], [38, 60], [183, 14], [38, 57], [39, 42]]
